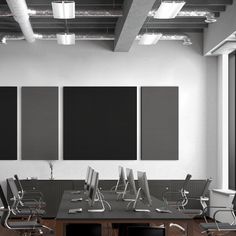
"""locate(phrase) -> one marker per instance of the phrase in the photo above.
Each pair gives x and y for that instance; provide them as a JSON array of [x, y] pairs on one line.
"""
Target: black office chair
[[203, 199], [216, 227], [20, 207], [26, 194], [24, 202], [145, 231], [29, 227], [181, 195]]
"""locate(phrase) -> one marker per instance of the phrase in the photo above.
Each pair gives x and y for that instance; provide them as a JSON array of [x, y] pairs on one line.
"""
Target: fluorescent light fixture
[[66, 38], [226, 48], [63, 9], [168, 9], [149, 38]]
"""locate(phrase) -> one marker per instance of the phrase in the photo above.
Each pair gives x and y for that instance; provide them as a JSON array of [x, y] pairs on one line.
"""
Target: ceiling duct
[[181, 37], [19, 11], [210, 16], [37, 12], [80, 36], [8, 37], [5, 13]]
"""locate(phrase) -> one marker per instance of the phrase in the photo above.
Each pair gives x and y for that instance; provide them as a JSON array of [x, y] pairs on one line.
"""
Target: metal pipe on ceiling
[[19, 11], [82, 36], [78, 13]]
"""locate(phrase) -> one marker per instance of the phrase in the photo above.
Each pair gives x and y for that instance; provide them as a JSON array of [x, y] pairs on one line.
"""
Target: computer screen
[[90, 174], [93, 188], [130, 180], [87, 177], [122, 180], [144, 188]]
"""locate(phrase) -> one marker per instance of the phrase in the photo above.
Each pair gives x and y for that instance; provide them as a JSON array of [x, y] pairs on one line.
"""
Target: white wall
[[94, 64]]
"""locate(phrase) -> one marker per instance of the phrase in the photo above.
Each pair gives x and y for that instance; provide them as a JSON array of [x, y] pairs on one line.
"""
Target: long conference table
[[118, 215]]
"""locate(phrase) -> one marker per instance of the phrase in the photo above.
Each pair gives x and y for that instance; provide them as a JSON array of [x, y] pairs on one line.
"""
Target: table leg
[[189, 228], [59, 228], [167, 228]]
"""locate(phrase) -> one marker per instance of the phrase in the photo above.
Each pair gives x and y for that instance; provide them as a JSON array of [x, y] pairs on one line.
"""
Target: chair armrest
[[2, 208], [223, 210]]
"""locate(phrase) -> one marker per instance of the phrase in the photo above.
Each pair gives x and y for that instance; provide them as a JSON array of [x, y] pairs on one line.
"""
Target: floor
[[173, 232]]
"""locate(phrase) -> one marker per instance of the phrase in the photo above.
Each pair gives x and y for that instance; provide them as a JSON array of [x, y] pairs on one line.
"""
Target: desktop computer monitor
[[89, 179], [121, 181], [144, 188], [93, 189], [130, 180]]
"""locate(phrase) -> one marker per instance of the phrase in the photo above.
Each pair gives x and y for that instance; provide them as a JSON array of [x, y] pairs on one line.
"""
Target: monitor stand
[[117, 186], [102, 201], [142, 210], [134, 202], [122, 195]]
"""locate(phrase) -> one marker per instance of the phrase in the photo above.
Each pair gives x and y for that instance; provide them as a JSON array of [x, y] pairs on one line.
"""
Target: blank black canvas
[[100, 123], [159, 123], [8, 123]]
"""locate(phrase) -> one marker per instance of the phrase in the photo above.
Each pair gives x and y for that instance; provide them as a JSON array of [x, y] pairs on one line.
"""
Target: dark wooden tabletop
[[118, 212]]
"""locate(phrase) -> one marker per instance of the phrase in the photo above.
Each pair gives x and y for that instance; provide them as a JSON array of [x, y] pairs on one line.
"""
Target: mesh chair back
[[234, 202], [5, 205], [145, 231], [13, 187], [186, 181], [18, 182], [206, 187]]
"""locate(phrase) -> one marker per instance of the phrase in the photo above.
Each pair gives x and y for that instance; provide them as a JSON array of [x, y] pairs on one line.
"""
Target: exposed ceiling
[[125, 19]]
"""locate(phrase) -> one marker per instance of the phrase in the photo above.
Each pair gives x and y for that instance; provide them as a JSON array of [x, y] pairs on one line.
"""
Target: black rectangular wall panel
[[39, 123], [100, 123], [8, 123], [159, 123]]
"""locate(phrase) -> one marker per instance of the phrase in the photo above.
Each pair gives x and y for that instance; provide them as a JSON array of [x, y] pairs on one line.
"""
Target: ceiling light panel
[[169, 9], [149, 39], [66, 38], [63, 9]]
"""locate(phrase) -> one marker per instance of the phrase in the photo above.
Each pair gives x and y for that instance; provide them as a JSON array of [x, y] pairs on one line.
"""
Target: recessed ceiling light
[[63, 9], [169, 9], [66, 38], [149, 38]]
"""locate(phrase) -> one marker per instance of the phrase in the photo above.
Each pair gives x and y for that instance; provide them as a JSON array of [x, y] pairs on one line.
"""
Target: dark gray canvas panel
[[159, 123], [39, 123]]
